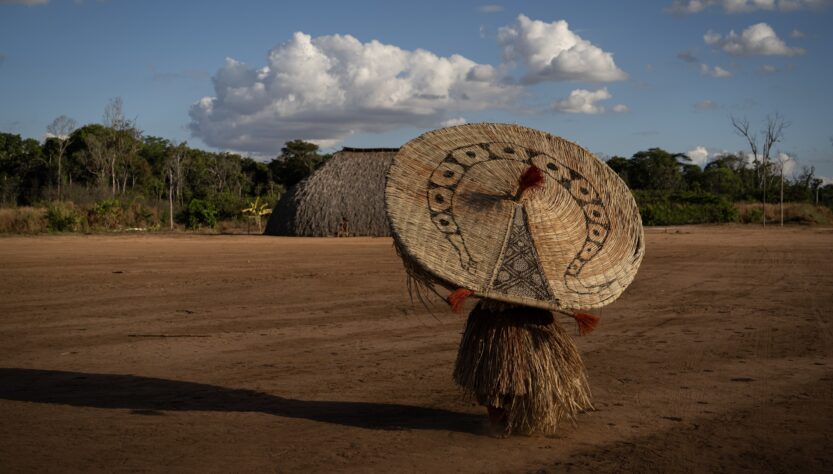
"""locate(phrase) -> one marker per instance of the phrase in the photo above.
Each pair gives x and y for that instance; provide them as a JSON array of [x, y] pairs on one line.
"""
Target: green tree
[[200, 213], [692, 176], [23, 170], [721, 180], [298, 159], [622, 167], [258, 177], [657, 169], [89, 155]]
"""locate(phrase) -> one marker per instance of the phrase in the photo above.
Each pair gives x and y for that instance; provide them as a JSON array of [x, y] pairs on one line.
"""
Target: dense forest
[[113, 176]]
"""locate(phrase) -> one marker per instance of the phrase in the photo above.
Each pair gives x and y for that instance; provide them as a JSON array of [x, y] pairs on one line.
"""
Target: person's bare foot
[[498, 422]]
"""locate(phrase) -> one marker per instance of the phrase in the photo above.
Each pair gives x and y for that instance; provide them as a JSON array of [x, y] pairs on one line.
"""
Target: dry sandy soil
[[262, 354]]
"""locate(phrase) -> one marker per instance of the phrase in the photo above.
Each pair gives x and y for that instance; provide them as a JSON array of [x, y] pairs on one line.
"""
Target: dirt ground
[[262, 354]]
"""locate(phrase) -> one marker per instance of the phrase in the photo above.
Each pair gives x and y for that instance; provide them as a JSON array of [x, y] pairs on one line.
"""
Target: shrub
[[106, 213], [750, 214], [63, 217], [662, 208], [794, 213], [23, 220], [228, 205], [200, 213], [139, 215]]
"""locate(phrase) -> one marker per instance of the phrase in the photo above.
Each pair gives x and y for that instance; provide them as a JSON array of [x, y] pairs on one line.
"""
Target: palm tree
[[257, 210]]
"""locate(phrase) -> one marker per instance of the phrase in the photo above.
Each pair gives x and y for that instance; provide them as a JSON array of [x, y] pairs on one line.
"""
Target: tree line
[[670, 189], [116, 163], [107, 171]]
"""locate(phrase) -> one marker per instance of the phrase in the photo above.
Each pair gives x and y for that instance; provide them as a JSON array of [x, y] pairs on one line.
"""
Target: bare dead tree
[[171, 196], [123, 146], [173, 168], [783, 159], [96, 158], [772, 134], [61, 128], [114, 119]]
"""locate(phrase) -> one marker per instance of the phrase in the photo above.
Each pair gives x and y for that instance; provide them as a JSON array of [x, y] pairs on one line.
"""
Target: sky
[[615, 77]]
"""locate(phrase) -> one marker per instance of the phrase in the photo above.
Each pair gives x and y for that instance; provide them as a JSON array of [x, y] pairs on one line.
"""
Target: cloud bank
[[322, 89]]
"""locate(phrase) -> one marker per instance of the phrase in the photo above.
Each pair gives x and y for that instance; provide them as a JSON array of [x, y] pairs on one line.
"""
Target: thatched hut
[[349, 190]]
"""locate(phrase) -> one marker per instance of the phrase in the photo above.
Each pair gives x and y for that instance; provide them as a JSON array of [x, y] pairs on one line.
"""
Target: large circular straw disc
[[574, 241]]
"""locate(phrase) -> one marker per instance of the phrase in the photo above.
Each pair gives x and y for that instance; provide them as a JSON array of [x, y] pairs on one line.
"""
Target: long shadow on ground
[[148, 395]]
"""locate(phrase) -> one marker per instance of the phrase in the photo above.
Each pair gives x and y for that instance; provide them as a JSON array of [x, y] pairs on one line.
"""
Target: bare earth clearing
[[249, 353]]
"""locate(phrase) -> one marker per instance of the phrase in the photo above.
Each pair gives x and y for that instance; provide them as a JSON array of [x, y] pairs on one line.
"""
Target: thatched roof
[[351, 185]]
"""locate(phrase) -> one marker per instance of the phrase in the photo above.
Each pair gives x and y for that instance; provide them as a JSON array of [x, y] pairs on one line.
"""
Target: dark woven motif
[[520, 273], [447, 175]]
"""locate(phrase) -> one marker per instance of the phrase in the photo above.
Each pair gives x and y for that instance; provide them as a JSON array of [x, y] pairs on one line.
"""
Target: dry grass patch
[[23, 220]]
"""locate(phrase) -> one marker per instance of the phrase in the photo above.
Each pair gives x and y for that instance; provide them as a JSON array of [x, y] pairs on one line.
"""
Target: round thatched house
[[346, 194]]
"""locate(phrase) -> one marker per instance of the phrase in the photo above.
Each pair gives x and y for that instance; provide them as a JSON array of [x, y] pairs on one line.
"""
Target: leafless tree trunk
[[178, 155], [171, 197], [783, 159], [174, 162], [61, 128]]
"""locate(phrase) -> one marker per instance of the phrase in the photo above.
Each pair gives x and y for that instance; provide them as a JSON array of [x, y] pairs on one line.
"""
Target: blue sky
[[615, 77]]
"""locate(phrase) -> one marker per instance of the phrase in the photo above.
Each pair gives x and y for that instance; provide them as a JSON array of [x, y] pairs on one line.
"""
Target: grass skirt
[[518, 358]]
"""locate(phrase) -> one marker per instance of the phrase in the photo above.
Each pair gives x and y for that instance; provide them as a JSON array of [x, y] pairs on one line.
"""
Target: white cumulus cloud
[[324, 88], [781, 159], [715, 71], [454, 121], [787, 162], [552, 52], [583, 101], [700, 155], [686, 7], [757, 40]]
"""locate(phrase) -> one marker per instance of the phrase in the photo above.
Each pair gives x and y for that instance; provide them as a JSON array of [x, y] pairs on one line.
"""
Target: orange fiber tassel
[[586, 322], [531, 178], [457, 298]]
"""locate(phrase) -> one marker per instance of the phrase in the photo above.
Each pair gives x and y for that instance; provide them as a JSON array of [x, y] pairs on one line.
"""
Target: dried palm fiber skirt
[[518, 358]]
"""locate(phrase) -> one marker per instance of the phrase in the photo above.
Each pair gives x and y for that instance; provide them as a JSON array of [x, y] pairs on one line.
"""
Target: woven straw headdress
[[513, 214]]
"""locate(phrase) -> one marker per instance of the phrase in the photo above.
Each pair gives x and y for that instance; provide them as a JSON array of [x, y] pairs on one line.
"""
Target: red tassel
[[531, 178], [586, 322], [457, 298]]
